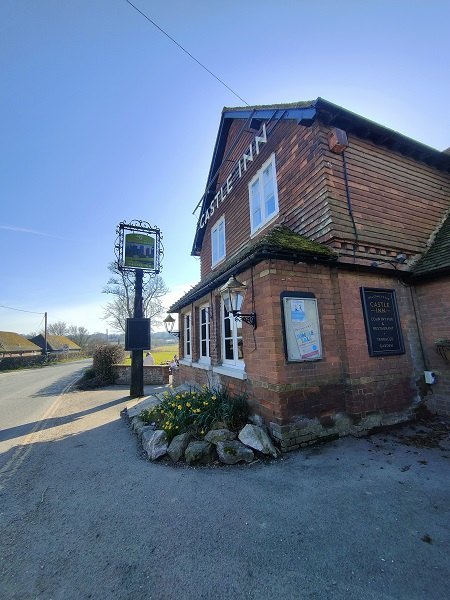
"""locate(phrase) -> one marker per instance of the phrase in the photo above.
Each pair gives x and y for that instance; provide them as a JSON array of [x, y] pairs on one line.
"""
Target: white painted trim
[[200, 365], [229, 372]]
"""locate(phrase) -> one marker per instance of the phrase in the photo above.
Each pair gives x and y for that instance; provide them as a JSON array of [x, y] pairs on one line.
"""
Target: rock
[[219, 435], [231, 452], [147, 429], [200, 453], [178, 445], [146, 436], [256, 438], [444, 444], [256, 420], [157, 444]]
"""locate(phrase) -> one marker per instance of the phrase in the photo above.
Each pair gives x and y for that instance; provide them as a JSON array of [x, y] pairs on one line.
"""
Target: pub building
[[324, 290]]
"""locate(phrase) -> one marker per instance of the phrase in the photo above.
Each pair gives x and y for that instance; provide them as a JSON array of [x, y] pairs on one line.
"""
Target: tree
[[78, 335], [121, 286], [58, 328]]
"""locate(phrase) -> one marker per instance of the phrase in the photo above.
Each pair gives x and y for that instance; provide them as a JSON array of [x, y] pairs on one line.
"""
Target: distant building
[[56, 344], [340, 230], [13, 344]]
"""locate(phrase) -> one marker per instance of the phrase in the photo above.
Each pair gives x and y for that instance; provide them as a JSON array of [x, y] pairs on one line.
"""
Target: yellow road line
[[11, 467]]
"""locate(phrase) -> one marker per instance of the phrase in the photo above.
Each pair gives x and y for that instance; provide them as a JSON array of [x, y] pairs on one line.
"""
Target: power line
[[184, 50], [21, 310]]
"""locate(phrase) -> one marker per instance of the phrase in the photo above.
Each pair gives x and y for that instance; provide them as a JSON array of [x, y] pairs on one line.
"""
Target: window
[[218, 241], [204, 334], [263, 194], [232, 346], [187, 335]]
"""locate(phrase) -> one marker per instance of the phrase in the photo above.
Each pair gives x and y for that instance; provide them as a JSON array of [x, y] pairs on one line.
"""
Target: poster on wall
[[382, 322], [301, 326]]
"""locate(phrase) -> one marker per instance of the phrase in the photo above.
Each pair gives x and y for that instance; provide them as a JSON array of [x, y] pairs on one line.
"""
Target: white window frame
[[218, 249], [234, 337], [205, 333], [261, 205], [187, 335]]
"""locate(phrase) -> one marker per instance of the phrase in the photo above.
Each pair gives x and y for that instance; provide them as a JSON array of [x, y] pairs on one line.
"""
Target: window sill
[[201, 365], [185, 361], [230, 372]]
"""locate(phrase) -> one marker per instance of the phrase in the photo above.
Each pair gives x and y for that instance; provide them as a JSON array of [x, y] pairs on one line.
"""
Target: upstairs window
[[218, 241], [263, 195]]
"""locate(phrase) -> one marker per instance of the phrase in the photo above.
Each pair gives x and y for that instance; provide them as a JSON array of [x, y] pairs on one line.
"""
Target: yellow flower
[[178, 397], [179, 407], [205, 404], [188, 404], [202, 432], [213, 397]]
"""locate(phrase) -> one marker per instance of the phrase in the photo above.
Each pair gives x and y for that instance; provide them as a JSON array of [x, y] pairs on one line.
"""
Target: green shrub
[[197, 412], [104, 358], [11, 363]]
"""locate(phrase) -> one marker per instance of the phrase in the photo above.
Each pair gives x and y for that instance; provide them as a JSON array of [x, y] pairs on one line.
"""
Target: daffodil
[[179, 407]]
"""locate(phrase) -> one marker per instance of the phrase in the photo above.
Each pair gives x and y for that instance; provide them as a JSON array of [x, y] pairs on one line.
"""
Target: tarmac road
[[86, 516]]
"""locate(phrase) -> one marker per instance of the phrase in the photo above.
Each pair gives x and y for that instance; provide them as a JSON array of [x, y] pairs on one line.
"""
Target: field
[[161, 354]]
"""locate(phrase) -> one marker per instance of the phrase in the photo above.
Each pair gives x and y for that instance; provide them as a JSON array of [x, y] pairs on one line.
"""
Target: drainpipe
[[338, 143], [349, 200]]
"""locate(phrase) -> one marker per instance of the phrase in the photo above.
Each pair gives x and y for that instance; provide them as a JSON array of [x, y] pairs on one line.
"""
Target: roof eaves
[[280, 242]]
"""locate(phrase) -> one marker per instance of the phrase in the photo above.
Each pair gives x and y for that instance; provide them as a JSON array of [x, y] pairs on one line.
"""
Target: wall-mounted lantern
[[233, 293], [169, 322]]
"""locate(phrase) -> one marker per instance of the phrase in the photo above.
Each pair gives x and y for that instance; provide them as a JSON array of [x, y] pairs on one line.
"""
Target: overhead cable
[[184, 50]]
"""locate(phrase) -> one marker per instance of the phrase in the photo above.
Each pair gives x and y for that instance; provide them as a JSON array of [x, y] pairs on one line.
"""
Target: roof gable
[[13, 342], [55, 343], [305, 113]]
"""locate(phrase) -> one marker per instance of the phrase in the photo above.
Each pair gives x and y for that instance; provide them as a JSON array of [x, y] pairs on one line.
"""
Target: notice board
[[382, 322], [301, 326]]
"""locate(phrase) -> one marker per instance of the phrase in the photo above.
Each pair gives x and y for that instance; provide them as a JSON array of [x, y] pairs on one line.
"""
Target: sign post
[[139, 251]]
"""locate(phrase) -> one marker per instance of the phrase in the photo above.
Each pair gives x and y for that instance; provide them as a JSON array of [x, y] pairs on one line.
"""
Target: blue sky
[[104, 119]]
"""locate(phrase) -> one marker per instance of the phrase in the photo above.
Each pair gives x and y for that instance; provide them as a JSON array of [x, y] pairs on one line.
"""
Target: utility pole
[[45, 333], [137, 358]]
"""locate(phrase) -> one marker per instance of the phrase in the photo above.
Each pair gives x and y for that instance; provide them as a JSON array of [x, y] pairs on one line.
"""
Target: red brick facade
[[370, 205]]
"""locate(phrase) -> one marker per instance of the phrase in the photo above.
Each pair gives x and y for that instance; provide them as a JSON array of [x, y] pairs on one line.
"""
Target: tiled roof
[[55, 343], [279, 241], [13, 342], [437, 258]]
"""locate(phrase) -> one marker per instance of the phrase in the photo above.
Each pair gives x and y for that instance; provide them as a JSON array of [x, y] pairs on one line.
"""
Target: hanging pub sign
[[138, 246], [139, 251], [301, 326], [382, 322]]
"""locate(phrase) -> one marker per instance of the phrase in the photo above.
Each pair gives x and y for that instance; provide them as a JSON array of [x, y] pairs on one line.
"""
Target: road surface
[[85, 517], [28, 397]]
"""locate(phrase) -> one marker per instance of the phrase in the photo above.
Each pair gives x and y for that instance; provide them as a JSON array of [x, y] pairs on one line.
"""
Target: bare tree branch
[[121, 307]]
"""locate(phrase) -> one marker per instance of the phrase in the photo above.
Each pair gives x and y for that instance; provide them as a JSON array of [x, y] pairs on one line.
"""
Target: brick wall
[[346, 380], [153, 374], [432, 302]]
